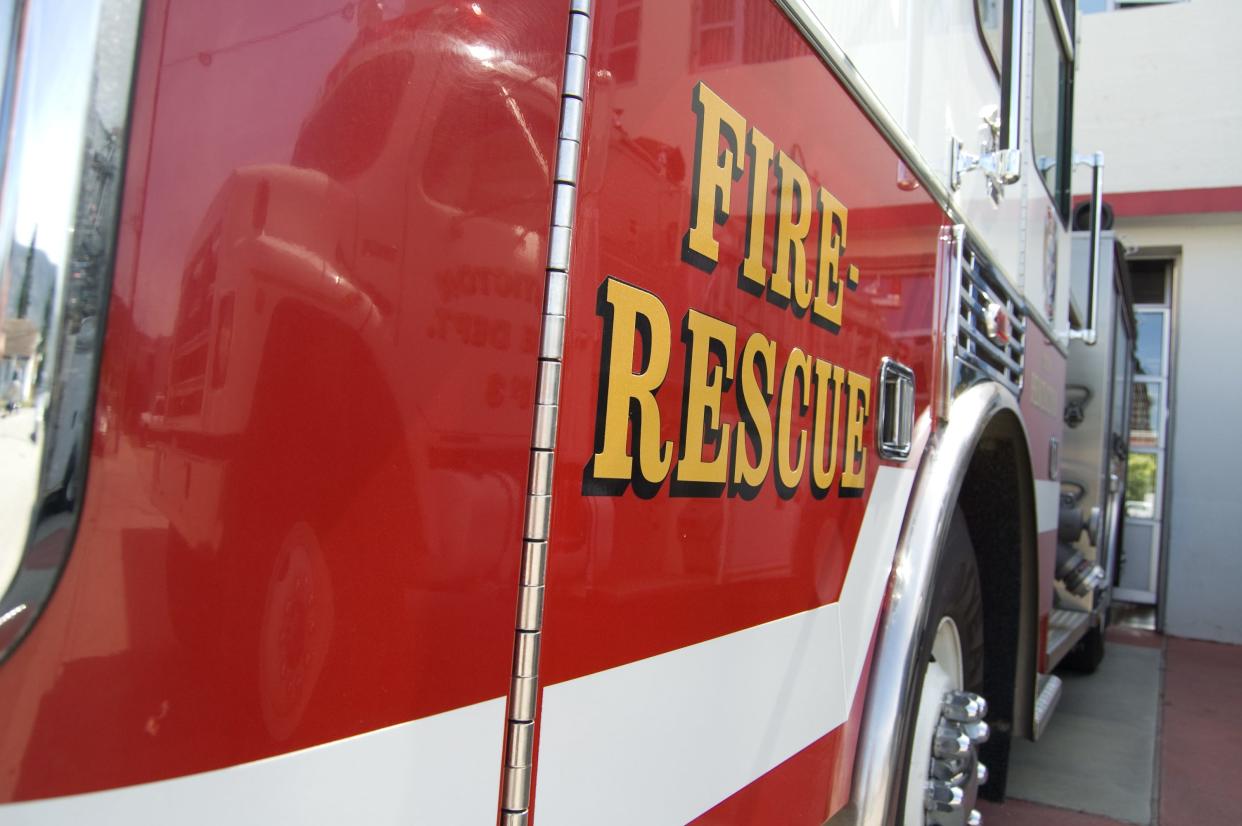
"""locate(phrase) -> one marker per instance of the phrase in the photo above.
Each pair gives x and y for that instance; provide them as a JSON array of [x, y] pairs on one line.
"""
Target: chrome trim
[[1096, 162], [900, 378], [1062, 26], [1009, 138], [1065, 628], [530, 607], [524, 680], [998, 167], [984, 295], [883, 742], [67, 75], [952, 250], [1049, 694], [800, 14], [1044, 327]]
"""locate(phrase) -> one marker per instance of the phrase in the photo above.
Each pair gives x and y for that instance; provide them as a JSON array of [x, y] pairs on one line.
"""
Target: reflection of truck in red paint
[[577, 412]]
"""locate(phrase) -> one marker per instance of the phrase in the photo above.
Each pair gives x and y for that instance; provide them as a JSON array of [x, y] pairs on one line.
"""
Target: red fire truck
[[558, 411]]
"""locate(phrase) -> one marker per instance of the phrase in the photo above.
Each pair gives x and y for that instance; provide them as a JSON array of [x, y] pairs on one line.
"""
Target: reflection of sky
[[1150, 343], [50, 121]]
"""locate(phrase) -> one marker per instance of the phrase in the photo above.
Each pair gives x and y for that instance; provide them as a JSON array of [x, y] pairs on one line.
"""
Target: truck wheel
[[1086, 656], [944, 770]]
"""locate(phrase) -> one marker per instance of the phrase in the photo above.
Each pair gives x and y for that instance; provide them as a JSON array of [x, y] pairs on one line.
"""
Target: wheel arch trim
[[883, 737]]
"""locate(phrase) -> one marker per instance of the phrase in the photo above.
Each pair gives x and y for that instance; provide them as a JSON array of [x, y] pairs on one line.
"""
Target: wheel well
[[997, 500]]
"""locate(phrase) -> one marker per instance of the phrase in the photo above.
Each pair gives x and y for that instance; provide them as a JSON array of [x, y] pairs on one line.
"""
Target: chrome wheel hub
[[945, 772], [956, 773]]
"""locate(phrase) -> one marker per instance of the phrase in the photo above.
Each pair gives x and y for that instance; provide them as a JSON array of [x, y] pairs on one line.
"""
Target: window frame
[[1061, 198]]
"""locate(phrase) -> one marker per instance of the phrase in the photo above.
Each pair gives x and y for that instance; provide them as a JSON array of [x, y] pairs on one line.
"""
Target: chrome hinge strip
[[524, 686]]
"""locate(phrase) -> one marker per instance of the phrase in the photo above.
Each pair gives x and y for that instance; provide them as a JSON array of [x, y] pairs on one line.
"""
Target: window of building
[[729, 32], [623, 51]]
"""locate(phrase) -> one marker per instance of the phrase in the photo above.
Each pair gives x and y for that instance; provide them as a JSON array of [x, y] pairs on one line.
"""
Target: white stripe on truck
[[664, 739]]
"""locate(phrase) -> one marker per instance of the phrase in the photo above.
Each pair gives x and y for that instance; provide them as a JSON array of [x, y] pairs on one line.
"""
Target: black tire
[[1085, 657], [955, 593]]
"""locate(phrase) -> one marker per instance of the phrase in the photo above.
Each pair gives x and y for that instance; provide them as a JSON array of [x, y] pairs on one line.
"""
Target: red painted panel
[[632, 576], [1173, 201], [790, 794], [317, 386], [641, 571]]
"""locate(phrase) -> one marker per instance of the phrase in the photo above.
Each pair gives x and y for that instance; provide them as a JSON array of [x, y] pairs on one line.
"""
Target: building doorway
[[1142, 539]]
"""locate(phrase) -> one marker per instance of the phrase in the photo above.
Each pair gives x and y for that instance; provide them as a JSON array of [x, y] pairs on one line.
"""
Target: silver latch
[[1000, 166], [894, 430]]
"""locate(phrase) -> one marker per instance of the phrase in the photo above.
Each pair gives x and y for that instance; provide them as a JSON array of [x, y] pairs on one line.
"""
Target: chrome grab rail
[[1096, 162], [66, 74]]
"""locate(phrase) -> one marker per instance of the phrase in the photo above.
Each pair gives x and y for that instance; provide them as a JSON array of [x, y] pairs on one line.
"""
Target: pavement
[[1153, 738]]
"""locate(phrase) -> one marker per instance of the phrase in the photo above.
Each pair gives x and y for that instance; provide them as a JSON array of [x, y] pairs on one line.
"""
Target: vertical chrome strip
[[524, 689], [65, 116], [952, 248]]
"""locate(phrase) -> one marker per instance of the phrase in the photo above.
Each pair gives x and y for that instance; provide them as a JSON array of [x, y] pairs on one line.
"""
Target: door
[[1139, 564]]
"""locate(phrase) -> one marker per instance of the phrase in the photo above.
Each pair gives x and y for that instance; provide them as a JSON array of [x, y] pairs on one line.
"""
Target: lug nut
[[953, 772], [951, 742], [981, 773], [964, 707], [977, 732], [975, 818], [941, 797]]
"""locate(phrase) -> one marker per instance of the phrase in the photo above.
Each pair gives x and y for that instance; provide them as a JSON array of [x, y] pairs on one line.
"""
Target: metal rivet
[[567, 161], [548, 390], [563, 206], [530, 607], [571, 119], [579, 34], [557, 297], [558, 248], [544, 437], [541, 472], [523, 692], [517, 792], [521, 744], [514, 818], [526, 654], [575, 76], [538, 516], [552, 342], [534, 562]]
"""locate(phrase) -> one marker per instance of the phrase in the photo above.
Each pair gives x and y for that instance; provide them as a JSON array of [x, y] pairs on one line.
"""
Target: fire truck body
[[661, 328]]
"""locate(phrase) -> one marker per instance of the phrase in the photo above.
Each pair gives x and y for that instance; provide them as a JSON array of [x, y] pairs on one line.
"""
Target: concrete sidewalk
[[1153, 738]]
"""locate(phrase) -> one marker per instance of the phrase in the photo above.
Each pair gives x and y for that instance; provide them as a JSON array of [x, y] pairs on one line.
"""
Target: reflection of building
[[1142, 417], [19, 344], [92, 242]]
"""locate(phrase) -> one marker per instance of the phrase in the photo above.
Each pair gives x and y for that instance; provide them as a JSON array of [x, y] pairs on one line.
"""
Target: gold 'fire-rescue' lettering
[[719, 160], [800, 419], [812, 427]]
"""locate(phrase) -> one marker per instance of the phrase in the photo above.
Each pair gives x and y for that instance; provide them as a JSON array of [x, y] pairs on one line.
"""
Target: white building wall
[[1158, 91], [1204, 574]]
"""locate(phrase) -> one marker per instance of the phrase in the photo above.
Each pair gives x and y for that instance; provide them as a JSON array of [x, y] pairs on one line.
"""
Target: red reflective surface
[[317, 379], [631, 576], [641, 572]]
